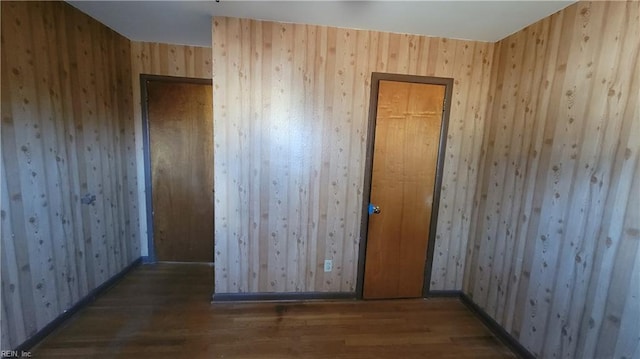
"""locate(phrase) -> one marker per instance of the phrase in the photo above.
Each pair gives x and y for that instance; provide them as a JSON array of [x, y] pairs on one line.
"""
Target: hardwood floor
[[164, 311]]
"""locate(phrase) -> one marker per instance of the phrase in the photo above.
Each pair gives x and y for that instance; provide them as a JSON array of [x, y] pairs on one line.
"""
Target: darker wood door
[[407, 135], [180, 117]]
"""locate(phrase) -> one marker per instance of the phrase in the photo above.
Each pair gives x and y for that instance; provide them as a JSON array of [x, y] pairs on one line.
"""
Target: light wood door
[[407, 134], [181, 146]]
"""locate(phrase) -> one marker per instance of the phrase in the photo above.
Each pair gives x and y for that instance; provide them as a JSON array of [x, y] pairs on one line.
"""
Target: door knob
[[373, 209]]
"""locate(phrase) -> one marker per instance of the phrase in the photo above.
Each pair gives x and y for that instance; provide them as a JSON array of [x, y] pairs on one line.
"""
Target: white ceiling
[[189, 22]]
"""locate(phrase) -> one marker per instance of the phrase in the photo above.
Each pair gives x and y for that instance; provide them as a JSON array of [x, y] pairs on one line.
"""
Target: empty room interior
[[320, 179]]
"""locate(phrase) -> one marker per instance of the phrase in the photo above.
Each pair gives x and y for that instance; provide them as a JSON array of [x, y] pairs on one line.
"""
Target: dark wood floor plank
[[164, 311]]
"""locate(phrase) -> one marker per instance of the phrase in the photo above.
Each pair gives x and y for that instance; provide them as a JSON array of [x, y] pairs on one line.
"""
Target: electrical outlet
[[328, 265]]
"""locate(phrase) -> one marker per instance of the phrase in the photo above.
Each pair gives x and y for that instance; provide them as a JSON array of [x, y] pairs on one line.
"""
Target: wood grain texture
[[181, 145], [67, 133], [555, 246], [153, 58], [407, 136], [290, 118], [163, 311]]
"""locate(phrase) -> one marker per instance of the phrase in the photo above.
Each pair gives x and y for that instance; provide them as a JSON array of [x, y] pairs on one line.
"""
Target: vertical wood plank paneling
[[265, 279], [473, 245], [221, 237], [156, 59], [30, 168], [308, 91], [502, 149], [14, 319], [555, 233], [455, 59], [313, 95], [458, 145], [59, 126], [63, 214], [469, 167], [583, 204], [128, 152], [361, 85], [57, 159], [244, 164], [297, 184], [69, 156], [254, 136], [529, 97], [555, 65], [78, 73]]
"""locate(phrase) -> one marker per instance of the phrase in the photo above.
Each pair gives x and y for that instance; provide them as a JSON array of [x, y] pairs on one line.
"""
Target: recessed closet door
[[180, 120], [407, 136]]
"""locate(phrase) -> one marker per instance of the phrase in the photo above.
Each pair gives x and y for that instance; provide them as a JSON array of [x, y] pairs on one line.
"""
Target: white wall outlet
[[328, 265]]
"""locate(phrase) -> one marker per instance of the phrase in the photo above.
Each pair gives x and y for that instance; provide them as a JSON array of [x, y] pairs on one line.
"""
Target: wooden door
[[407, 135], [180, 117]]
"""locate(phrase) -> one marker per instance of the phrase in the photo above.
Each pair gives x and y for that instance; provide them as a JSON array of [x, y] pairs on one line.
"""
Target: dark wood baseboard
[[443, 294], [496, 328], [86, 300], [290, 296]]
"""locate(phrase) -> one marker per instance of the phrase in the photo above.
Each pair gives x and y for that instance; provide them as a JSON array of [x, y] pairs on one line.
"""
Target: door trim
[[371, 130], [144, 105]]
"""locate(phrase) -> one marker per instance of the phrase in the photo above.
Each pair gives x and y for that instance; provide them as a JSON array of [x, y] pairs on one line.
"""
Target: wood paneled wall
[[290, 118], [554, 252], [167, 60], [67, 133]]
